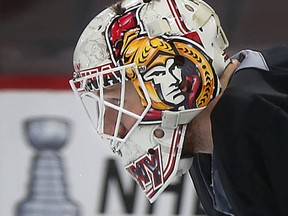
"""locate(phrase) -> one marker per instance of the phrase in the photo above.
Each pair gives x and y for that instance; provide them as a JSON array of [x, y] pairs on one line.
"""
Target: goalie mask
[[143, 71]]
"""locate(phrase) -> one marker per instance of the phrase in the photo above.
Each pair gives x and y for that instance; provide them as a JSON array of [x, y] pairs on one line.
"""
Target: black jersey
[[250, 136]]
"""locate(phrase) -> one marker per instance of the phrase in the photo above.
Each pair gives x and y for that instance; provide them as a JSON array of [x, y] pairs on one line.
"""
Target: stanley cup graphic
[[47, 192]]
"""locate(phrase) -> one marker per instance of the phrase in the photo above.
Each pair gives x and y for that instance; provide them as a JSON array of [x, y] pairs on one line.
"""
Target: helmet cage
[[89, 86]]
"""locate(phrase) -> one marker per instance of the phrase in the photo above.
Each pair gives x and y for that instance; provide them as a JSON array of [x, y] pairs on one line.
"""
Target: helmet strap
[[172, 119]]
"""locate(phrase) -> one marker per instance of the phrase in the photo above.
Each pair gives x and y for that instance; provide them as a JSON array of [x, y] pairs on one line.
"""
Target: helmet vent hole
[[201, 29], [151, 151], [99, 27], [189, 8], [159, 133], [147, 1], [179, 60]]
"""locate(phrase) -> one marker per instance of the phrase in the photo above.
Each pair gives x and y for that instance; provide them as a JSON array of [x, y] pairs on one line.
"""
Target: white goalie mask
[[143, 71]]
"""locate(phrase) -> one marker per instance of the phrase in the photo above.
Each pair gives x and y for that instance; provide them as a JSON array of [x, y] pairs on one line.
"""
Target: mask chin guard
[[156, 160]]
